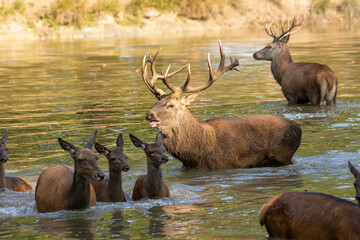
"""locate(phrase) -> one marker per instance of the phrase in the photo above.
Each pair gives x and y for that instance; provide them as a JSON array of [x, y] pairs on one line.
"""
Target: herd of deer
[[217, 143]]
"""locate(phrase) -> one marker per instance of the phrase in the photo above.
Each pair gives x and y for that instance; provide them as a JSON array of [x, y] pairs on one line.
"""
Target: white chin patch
[[153, 124]]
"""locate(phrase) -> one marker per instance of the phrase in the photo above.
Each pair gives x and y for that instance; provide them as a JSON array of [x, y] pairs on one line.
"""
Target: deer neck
[[2, 176], [80, 192], [115, 190], [280, 63], [154, 183]]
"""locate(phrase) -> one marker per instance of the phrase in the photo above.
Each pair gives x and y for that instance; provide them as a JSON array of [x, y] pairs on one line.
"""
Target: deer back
[[305, 215]]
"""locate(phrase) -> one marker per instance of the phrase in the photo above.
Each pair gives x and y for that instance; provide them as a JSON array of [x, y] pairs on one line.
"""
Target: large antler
[[185, 88], [289, 29], [155, 76], [212, 78]]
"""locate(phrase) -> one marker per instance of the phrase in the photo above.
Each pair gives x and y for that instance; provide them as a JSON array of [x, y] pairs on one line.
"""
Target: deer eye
[[171, 105], [151, 152]]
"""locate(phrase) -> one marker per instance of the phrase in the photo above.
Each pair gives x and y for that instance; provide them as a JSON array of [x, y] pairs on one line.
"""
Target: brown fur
[[64, 188], [13, 183], [247, 141], [300, 82], [151, 185], [110, 190], [307, 215], [356, 174]]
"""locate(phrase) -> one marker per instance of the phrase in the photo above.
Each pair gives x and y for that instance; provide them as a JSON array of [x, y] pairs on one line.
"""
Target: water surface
[[67, 89]]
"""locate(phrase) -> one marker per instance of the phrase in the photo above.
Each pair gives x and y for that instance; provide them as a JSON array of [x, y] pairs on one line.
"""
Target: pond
[[68, 89]]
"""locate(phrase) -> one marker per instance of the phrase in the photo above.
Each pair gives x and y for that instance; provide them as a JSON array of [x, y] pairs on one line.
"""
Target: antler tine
[[150, 83], [291, 26], [212, 77], [268, 31]]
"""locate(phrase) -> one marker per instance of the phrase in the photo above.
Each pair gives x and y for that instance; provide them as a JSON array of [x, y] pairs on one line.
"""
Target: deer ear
[[67, 146], [92, 140], [159, 138], [189, 99], [4, 137], [120, 142], [285, 39], [137, 142], [353, 170], [101, 149]]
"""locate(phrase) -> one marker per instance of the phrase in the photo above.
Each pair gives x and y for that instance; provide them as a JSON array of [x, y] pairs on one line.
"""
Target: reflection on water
[[68, 89]]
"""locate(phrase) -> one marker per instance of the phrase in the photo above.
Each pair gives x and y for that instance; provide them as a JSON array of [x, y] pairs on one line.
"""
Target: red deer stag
[[64, 188], [151, 185], [300, 82], [356, 174], [13, 183], [246, 141], [110, 190], [307, 215]]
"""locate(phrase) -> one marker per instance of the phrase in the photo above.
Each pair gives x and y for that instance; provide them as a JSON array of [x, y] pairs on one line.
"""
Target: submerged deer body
[[13, 183], [64, 188], [246, 141], [110, 190], [300, 82], [307, 215], [152, 184]]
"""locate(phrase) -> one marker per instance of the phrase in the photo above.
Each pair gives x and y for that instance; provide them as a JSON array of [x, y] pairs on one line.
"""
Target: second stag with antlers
[[300, 82], [247, 141]]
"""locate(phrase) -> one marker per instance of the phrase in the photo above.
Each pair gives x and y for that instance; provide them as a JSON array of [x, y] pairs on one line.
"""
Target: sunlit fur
[[64, 188], [247, 141], [110, 190], [13, 183], [307, 215], [300, 82], [151, 185]]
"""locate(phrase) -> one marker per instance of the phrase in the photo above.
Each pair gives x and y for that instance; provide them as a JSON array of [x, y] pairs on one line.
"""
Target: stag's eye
[[171, 105]]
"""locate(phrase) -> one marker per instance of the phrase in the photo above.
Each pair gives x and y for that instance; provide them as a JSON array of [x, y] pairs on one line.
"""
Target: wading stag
[[307, 215], [61, 187], [246, 141], [300, 82], [110, 190], [151, 185], [13, 183]]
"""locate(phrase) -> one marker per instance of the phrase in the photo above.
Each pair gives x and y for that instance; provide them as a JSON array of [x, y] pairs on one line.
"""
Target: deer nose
[[101, 176], [165, 158], [126, 168], [4, 158], [149, 116], [357, 197]]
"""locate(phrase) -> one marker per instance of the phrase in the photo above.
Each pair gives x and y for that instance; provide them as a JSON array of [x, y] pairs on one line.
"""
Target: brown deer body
[[151, 185], [300, 82], [356, 174], [13, 183], [307, 215], [64, 188], [110, 190], [247, 141]]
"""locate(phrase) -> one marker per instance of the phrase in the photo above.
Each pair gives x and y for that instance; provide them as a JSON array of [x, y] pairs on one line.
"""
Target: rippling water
[[68, 89]]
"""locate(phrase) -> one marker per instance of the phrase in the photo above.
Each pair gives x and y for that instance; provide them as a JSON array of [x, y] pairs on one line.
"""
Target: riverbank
[[39, 19]]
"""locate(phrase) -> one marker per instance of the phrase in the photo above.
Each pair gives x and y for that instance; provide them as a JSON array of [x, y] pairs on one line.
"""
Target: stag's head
[[170, 107], [275, 48]]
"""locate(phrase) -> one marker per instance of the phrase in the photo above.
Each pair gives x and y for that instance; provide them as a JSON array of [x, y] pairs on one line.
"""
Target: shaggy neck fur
[[191, 142], [115, 190], [80, 192], [280, 63], [2, 176], [154, 180]]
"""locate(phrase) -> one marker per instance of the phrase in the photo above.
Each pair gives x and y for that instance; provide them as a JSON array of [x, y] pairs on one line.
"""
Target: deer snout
[[357, 197], [165, 159], [101, 176], [255, 56], [4, 158], [126, 168], [149, 116]]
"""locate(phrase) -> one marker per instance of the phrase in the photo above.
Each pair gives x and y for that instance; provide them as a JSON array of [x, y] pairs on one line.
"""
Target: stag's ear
[[189, 99], [101, 149], [353, 170], [137, 142], [285, 39], [67, 146]]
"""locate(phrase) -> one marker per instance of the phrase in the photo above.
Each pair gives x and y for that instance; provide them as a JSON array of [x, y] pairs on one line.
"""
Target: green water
[[67, 89]]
